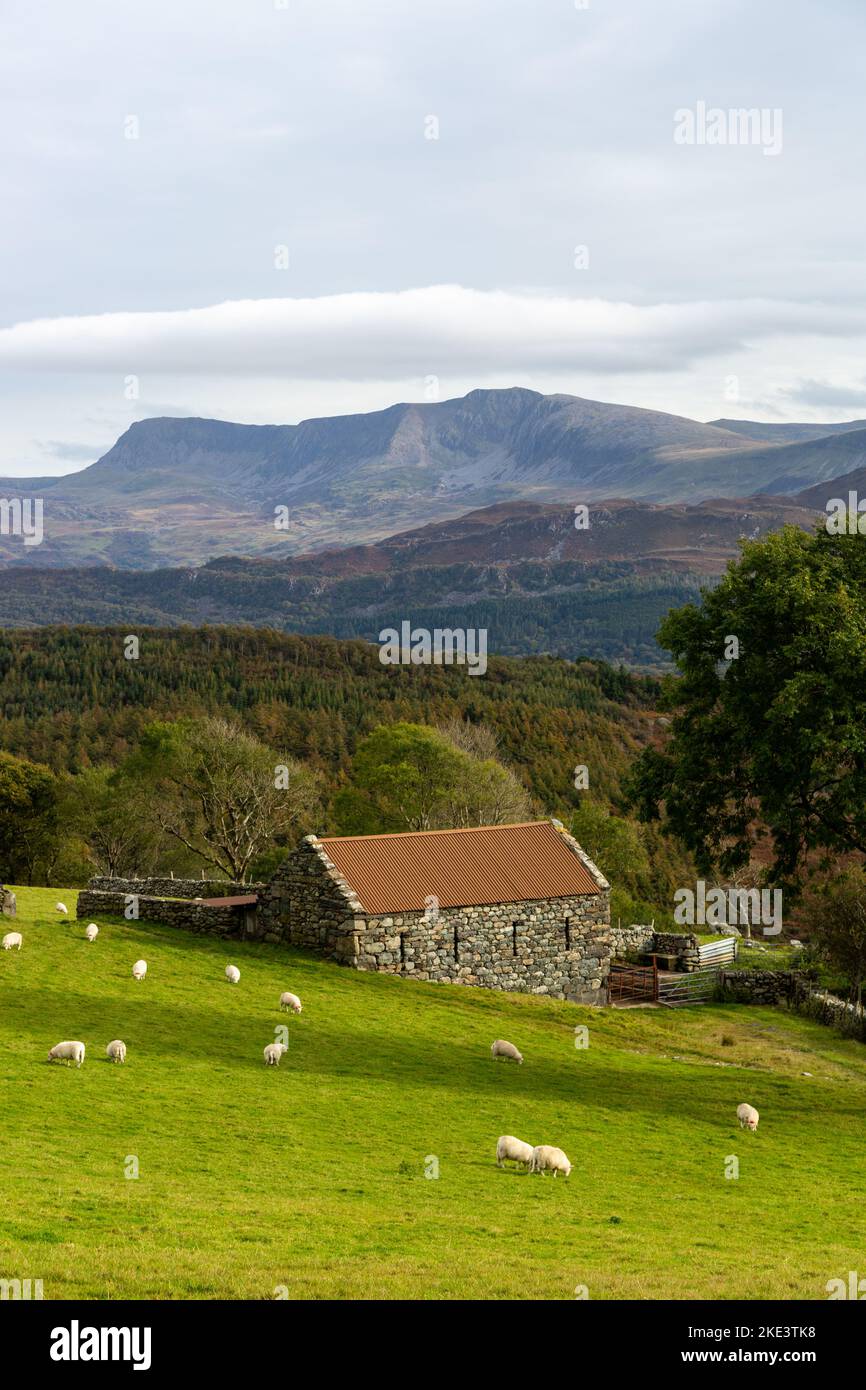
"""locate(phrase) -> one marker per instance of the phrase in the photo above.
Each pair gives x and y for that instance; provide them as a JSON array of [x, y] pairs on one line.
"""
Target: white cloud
[[375, 335]]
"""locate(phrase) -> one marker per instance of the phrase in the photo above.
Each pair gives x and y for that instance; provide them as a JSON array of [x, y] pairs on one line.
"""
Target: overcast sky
[[281, 237]]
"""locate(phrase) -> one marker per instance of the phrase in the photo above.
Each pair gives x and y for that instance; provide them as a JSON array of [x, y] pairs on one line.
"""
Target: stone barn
[[516, 907]]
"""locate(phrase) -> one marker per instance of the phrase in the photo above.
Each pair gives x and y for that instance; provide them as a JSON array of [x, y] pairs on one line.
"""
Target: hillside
[[184, 490], [352, 1169], [68, 698], [520, 569], [785, 433]]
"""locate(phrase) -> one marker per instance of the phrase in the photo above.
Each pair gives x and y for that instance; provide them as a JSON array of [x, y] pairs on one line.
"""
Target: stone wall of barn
[[307, 904], [560, 947]]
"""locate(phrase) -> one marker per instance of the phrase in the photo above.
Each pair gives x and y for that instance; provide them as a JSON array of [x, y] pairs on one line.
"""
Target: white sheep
[[547, 1159], [290, 1001], [67, 1052], [116, 1051], [61, 907], [507, 1147], [501, 1048], [232, 974], [12, 938], [139, 970], [92, 932], [273, 1053], [747, 1116]]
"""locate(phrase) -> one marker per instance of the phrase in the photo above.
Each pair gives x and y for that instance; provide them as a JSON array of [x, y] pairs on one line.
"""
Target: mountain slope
[[174, 489], [785, 433], [181, 491], [520, 569]]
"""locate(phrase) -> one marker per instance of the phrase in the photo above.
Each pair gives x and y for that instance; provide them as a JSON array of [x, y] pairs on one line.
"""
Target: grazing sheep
[[61, 907], [547, 1159], [139, 970], [509, 1147], [116, 1051], [290, 1001], [505, 1049], [747, 1116], [232, 974], [92, 932], [67, 1052], [12, 938], [273, 1053]]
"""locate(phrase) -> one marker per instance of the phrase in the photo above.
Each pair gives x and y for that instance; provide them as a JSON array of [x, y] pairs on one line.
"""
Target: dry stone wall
[[631, 940], [191, 916], [174, 887], [683, 945], [643, 940], [758, 986]]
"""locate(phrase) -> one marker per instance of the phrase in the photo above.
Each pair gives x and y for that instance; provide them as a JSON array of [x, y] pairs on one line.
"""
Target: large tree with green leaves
[[768, 736], [413, 777], [835, 918], [111, 813], [29, 835]]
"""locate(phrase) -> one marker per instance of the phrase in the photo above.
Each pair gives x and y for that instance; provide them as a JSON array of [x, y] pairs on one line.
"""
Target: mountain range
[[182, 491]]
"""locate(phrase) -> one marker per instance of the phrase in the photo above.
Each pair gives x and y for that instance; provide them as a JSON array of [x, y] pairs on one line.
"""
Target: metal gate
[[633, 984], [694, 988]]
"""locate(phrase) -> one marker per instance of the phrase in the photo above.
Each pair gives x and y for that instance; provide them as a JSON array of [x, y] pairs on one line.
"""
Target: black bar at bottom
[[234, 1338]]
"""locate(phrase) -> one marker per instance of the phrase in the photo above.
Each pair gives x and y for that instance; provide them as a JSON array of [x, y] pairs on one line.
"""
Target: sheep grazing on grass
[[139, 970], [92, 932], [501, 1048], [61, 907], [12, 938], [547, 1159], [67, 1052], [232, 974], [747, 1116], [507, 1147], [116, 1051], [290, 1001], [273, 1053]]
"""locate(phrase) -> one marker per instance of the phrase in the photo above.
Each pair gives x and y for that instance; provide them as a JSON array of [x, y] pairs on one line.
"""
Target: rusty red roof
[[242, 900], [461, 868]]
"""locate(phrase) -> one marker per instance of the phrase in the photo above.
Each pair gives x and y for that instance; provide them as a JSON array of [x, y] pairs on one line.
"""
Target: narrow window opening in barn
[[456, 946], [514, 938], [568, 933], [402, 950]]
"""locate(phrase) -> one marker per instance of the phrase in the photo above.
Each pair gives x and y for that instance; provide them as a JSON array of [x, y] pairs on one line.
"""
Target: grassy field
[[311, 1177]]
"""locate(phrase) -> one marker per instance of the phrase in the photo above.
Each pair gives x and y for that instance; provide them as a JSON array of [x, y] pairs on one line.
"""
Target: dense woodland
[[72, 701], [607, 612]]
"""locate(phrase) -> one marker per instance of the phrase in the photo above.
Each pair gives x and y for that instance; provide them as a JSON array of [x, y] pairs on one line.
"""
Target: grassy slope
[[312, 1175]]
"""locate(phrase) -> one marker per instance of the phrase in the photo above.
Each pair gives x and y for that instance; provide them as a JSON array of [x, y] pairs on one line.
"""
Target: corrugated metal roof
[[462, 868], [243, 900]]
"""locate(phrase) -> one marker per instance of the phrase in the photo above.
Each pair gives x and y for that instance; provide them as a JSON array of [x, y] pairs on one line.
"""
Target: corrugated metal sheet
[[462, 868], [244, 900]]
